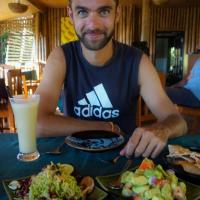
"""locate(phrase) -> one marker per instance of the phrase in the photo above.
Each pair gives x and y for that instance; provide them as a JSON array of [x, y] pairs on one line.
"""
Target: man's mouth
[[93, 35]]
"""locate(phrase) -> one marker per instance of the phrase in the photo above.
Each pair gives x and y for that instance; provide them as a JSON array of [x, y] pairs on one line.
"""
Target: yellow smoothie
[[25, 112]]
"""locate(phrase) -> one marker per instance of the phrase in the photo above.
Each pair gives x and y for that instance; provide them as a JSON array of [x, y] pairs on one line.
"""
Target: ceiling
[[5, 13], [33, 7], [41, 5]]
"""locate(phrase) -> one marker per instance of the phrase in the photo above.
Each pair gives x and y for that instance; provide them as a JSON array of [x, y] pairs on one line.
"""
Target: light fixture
[[159, 2], [18, 7]]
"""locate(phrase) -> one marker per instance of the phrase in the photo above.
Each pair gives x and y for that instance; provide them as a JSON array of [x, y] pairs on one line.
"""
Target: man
[[102, 80], [187, 91]]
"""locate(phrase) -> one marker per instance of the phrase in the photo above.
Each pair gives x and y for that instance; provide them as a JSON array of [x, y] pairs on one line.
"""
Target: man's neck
[[99, 57]]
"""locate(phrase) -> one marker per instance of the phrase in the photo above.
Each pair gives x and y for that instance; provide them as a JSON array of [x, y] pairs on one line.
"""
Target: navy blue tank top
[[106, 93]]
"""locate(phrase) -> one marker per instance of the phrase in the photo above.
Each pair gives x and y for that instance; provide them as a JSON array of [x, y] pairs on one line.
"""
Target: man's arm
[[150, 140], [50, 124]]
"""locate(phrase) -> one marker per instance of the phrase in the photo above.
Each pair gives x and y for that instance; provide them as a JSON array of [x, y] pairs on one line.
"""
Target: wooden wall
[[129, 27], [54, 16], [185, 19]]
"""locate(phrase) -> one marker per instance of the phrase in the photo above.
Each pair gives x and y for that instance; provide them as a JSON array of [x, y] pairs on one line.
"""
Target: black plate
[[178, 168], [95, 140]]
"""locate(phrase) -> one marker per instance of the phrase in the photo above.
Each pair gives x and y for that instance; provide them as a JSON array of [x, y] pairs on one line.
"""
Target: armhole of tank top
[[66, 54], [139, 55], [139, 61]]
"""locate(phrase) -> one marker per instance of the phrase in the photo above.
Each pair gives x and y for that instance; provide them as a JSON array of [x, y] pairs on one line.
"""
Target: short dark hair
[[117, 2]]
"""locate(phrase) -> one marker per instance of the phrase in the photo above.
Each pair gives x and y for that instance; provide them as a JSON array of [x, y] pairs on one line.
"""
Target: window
[[20, 44], [20, 48]]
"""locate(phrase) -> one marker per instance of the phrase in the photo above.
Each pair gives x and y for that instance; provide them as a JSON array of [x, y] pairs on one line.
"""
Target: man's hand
[[150, 140], [146, 142]]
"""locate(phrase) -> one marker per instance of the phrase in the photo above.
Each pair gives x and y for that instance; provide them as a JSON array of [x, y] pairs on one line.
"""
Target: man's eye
[[82, 13], [104, 13]]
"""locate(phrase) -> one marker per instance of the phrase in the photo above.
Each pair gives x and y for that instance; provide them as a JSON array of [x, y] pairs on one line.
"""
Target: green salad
[[55, 182], [152, 182]]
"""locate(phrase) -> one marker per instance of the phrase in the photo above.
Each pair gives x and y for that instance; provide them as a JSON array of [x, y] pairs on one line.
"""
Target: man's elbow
[[41, 130], [181, 127], [184, 125]]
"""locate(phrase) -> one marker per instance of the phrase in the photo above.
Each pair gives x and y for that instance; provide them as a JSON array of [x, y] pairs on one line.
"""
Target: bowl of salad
[[151, 182], [55, 181]]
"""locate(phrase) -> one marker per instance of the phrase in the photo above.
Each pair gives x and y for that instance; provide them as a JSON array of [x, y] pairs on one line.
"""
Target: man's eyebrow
[[100, 8], [80, 8], [105, 7]]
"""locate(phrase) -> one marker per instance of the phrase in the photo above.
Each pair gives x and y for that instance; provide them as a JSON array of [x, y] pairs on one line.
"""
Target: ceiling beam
[[38, 5]]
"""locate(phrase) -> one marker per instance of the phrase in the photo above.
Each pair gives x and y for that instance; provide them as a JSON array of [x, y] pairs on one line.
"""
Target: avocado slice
[[140, 189], [139, 180]]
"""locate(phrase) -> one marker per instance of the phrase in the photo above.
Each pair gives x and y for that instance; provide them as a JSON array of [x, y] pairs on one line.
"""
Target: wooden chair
[[192, 117], [32, 86], [144, 115], [15, 81], [31, 81], [6, 114], [41, 69]]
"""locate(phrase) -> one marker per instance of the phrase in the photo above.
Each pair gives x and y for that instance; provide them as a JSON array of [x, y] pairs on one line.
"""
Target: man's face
[[94, 21]]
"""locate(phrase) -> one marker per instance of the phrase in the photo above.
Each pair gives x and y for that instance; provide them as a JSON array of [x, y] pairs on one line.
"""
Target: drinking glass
[[25, 112]]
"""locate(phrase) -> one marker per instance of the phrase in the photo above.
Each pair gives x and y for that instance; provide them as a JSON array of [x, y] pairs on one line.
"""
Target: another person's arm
[[50, 124], [183, 82], [150, 140], [180, 83]]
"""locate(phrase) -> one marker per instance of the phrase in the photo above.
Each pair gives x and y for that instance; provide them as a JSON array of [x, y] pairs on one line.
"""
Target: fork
[[57, 150], [116, 184]]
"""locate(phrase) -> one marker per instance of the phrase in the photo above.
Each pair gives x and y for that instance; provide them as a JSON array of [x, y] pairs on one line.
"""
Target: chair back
[[6, 114], [3, 92], [30, 75], [15, 81]]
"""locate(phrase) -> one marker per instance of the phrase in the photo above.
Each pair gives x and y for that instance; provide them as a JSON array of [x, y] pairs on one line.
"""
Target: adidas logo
[[96, 103]]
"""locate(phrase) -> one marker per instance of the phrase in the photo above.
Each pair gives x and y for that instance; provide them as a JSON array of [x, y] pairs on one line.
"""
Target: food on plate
[[152, 182], [55, 181], [189, 160]]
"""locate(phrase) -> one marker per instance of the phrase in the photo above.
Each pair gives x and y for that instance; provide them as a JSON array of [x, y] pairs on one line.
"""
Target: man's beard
[[95, 45]]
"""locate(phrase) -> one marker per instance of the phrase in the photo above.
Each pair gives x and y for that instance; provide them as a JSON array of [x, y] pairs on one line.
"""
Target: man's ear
[[118, 13], [70, 13]]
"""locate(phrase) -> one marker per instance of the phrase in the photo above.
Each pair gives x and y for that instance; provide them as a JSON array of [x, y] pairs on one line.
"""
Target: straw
[[25, 86]]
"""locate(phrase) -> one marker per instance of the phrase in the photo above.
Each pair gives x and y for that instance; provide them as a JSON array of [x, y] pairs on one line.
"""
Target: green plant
[[3, 46]]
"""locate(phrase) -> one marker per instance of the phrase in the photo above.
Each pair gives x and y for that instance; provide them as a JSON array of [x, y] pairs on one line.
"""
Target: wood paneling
[[53, 27], [185, 19], [129, 27]]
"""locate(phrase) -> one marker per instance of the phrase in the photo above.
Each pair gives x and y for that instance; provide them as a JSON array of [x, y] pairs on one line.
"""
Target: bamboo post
[[145, 20]]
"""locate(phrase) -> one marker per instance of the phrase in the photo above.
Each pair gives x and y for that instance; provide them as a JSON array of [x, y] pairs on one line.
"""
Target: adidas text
[[99, 112]]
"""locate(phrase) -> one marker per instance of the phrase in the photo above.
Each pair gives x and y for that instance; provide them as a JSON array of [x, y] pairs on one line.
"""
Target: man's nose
[[93, 21]]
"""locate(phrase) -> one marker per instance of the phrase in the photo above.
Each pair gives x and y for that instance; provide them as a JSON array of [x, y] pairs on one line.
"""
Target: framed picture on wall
[[67, 31]]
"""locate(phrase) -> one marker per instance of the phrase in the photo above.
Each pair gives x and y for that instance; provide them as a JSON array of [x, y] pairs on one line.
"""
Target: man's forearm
[[174, 125], [57, 125]]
